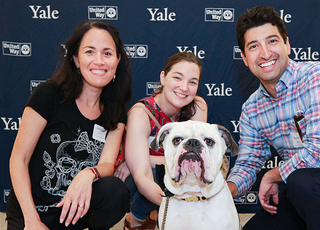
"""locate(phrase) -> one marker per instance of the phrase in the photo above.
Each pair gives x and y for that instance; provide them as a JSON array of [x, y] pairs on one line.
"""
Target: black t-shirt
[[65, 147]]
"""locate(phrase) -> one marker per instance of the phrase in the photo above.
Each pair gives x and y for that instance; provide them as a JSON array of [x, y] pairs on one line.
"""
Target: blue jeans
[[140, 206]]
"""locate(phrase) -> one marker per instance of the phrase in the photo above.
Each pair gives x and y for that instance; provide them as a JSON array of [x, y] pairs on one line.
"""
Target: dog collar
[[194, 199]]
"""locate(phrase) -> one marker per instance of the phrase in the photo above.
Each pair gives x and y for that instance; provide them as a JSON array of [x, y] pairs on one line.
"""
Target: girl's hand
[[122, 171]]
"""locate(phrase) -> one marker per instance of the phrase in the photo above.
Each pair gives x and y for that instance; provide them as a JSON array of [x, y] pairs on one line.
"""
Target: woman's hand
[[76, 201], [122, 171]]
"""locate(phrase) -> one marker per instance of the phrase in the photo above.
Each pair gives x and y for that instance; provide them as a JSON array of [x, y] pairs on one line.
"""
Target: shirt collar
[[284, 80]]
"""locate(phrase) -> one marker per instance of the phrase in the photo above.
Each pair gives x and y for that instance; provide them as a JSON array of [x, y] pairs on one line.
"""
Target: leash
[[165, 212], [167, 195]]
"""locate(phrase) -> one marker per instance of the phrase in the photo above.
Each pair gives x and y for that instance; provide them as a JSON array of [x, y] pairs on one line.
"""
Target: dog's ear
[[231, 144], [159, 138]]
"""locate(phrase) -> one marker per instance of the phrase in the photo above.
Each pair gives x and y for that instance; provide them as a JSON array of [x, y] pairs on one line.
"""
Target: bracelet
[[96, 173]]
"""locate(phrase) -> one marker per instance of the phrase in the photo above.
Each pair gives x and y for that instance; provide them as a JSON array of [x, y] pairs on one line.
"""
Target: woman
[[175, 100], [69, 136]]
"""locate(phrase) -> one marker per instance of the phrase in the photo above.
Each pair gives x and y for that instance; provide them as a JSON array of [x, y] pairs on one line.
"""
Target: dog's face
[[193, 152]]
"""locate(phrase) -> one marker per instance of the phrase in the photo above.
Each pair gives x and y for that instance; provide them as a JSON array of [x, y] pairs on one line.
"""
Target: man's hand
[[268, 187]]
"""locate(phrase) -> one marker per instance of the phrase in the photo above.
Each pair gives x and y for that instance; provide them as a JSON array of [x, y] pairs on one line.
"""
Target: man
[[284, 112]]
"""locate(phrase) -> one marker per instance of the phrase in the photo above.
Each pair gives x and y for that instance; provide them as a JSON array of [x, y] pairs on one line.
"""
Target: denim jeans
[[140, 206]]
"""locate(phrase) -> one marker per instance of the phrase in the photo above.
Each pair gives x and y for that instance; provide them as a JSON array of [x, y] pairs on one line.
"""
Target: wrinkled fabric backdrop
[[32, 34]]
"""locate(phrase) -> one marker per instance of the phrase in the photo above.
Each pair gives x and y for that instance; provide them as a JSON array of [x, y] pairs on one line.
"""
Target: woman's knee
[[110, 190]]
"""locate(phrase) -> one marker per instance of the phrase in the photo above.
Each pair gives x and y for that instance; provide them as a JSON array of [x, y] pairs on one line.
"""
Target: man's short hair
[[258, 16]]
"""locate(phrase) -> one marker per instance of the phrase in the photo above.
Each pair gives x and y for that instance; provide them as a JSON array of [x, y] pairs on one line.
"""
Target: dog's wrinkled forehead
[[198, 130], [212, 134]]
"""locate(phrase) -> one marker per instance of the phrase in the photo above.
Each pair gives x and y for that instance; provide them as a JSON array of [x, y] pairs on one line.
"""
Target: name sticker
[[296, 140], [99, 133], [150, 139]]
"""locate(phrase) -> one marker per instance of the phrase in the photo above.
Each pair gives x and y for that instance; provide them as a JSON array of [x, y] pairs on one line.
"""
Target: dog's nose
[[193, 142]]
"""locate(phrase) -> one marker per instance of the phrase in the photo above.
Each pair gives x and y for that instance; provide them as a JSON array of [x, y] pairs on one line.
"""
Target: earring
[[114, 78]]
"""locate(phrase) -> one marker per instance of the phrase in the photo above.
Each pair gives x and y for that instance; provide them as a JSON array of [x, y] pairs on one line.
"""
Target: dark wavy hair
[[258, 16], [115, 95], [188, 110]]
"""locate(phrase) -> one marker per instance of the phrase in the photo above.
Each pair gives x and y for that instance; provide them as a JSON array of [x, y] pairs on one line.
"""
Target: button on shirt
[[269, 121]]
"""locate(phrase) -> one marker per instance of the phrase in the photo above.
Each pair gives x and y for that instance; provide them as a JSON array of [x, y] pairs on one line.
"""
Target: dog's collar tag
[[194, 199]]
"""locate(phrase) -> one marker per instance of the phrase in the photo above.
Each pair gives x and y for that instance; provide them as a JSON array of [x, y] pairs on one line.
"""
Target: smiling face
[[97, 58], [180, 85], [266, 53]]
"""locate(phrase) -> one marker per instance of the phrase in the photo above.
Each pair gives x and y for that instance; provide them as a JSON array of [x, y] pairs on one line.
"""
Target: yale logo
[[157, 15], [200, 54], [214, 90], [305, 55], [10, 124], [39, 12]]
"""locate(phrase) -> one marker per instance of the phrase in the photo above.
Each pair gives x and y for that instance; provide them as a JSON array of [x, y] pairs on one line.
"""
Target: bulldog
[[199, 196]]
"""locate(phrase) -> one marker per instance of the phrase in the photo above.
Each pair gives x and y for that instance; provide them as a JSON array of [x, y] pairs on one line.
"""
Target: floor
[[243, 219]]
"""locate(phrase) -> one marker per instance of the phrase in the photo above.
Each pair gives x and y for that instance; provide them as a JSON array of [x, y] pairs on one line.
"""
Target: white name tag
[[150, 139], [99, 133], [296, 140]]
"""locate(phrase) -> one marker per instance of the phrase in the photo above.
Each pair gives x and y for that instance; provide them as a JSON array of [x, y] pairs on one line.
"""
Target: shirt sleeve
[[254, 151], [44, 99], [309, 155], [123, 118]]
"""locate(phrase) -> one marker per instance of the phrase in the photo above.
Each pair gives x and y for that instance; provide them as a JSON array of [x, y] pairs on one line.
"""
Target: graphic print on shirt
[[64, 168]]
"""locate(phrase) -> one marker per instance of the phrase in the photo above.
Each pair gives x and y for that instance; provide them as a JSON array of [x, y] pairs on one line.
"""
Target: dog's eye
[[209, 142], [177, 140]]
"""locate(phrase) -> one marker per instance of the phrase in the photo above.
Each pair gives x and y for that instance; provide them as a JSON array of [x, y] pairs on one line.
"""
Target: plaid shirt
[[269, 121]]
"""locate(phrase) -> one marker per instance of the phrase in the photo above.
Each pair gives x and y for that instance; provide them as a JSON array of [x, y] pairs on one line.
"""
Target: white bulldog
[[200, 196]]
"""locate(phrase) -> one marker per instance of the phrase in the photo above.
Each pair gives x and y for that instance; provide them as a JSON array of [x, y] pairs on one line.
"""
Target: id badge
[[297, 143], [150, 139], [99, 133]]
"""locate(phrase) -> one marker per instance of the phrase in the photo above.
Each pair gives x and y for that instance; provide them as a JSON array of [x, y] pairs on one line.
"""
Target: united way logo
[[237, 55], [6, 193], [137, 51], [34, 84], [219, 14], [103, 12], [16, 49], [249, 198], [151, 86]]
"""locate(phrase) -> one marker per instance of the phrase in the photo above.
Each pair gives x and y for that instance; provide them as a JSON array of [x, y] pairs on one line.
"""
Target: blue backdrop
[[32, 32]]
